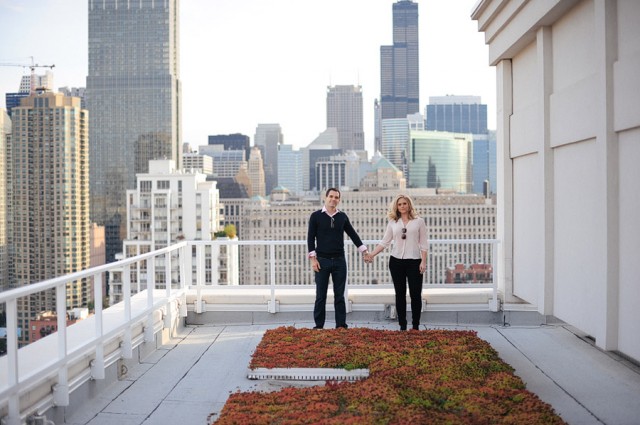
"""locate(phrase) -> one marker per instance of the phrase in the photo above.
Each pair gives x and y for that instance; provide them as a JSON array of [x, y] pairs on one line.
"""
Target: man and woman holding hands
[[406, 232]]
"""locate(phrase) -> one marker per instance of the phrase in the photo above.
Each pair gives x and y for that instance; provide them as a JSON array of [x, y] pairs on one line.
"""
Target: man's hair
[[332, 189]]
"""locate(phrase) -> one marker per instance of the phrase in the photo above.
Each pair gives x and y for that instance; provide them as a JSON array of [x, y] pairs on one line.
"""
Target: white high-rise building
[[169, 206]]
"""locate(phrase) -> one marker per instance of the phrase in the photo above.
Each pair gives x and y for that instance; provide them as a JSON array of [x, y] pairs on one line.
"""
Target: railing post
[[272, 276], [127, 349], [61, 389], [495, 303], [151, 285], [183, 252], [13, 418], [199, 278], [167, 272], [97, 365]]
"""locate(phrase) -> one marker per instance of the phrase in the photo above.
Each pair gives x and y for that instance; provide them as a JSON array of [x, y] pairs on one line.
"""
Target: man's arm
[[353, 235], [312, 232]]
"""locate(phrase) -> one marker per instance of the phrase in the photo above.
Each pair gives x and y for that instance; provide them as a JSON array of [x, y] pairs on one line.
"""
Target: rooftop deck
[[174, 354], [188, 379]]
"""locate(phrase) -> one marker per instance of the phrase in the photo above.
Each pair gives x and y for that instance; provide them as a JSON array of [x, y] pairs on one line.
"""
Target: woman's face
[[403, 205]]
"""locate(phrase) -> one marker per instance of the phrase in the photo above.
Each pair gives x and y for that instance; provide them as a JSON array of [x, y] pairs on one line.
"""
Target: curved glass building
[[440, 160]]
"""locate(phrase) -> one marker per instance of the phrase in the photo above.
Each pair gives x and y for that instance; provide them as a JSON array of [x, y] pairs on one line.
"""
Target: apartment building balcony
[[175, 354]]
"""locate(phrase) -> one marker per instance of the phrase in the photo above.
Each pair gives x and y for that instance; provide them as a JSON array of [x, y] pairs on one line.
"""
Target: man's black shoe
[[317, 327], [342, 326]]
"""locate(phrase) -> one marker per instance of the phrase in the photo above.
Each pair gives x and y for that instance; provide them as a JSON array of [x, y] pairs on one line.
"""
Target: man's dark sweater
[[328, 241]]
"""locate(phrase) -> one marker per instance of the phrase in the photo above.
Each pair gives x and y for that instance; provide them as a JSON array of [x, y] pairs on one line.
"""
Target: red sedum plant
[[432, 376]]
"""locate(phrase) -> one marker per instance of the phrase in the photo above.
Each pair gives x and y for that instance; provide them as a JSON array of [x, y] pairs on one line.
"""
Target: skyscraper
[[440, 160], [457, 114], [50, 198], [399, 65], [268, 137], [467, 114], [344, 112], [291, 169], [255, 170], [5, 136], [133, 95]]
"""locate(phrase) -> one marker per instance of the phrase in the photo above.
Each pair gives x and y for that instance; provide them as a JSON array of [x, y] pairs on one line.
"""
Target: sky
[[243, 63]]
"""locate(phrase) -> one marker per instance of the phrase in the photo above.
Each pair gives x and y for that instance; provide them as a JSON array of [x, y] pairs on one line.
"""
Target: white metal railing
[[17, 380], [179, 262]]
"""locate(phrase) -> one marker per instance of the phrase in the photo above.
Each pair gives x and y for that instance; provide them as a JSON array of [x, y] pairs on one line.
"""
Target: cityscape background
[[105, 170], [244, 63]]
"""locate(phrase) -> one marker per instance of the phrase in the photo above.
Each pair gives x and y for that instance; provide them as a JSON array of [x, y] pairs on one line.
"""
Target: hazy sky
[[265, 61]]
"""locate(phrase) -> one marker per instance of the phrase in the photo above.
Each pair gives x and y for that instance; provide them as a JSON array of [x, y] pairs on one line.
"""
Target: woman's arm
[[385, 242]]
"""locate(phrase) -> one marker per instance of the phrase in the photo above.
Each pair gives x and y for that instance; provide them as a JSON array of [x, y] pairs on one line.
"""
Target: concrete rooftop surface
[[188, 380]]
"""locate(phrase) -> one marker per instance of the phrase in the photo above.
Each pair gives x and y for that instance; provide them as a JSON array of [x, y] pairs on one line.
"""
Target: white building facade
[[447, 217], [169, 206], [568, 137]]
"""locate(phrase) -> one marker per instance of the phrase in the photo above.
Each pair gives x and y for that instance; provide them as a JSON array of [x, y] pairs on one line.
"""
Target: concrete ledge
[[257, 298]]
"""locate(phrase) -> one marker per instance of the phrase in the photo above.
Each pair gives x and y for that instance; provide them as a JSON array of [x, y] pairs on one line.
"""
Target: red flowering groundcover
[[431, 376]]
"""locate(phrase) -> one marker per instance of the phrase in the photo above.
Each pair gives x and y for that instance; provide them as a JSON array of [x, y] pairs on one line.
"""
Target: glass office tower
[[133, 98]]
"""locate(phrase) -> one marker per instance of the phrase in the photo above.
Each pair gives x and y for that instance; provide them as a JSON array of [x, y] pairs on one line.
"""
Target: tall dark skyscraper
[[399, 66], [133, 98]]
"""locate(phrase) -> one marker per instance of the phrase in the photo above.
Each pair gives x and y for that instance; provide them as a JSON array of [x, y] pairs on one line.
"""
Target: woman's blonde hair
[[394, 214]]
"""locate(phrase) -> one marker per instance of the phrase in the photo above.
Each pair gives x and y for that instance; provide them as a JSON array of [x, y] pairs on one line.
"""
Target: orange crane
[[32, 66]]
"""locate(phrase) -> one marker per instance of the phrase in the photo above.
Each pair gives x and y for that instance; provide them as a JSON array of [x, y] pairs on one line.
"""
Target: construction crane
[[32, 66]]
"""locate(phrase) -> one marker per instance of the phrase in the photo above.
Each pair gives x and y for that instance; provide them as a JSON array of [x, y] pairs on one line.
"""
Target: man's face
[[333, 199]]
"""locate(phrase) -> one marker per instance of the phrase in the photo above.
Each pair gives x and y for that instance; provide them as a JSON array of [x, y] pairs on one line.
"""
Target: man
[[325, 240]]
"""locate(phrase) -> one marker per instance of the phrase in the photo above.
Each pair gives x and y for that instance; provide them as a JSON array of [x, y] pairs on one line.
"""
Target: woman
[[408, 260]]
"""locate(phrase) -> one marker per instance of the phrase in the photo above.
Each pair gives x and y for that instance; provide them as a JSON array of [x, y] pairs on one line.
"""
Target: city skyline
[[268, 73]]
